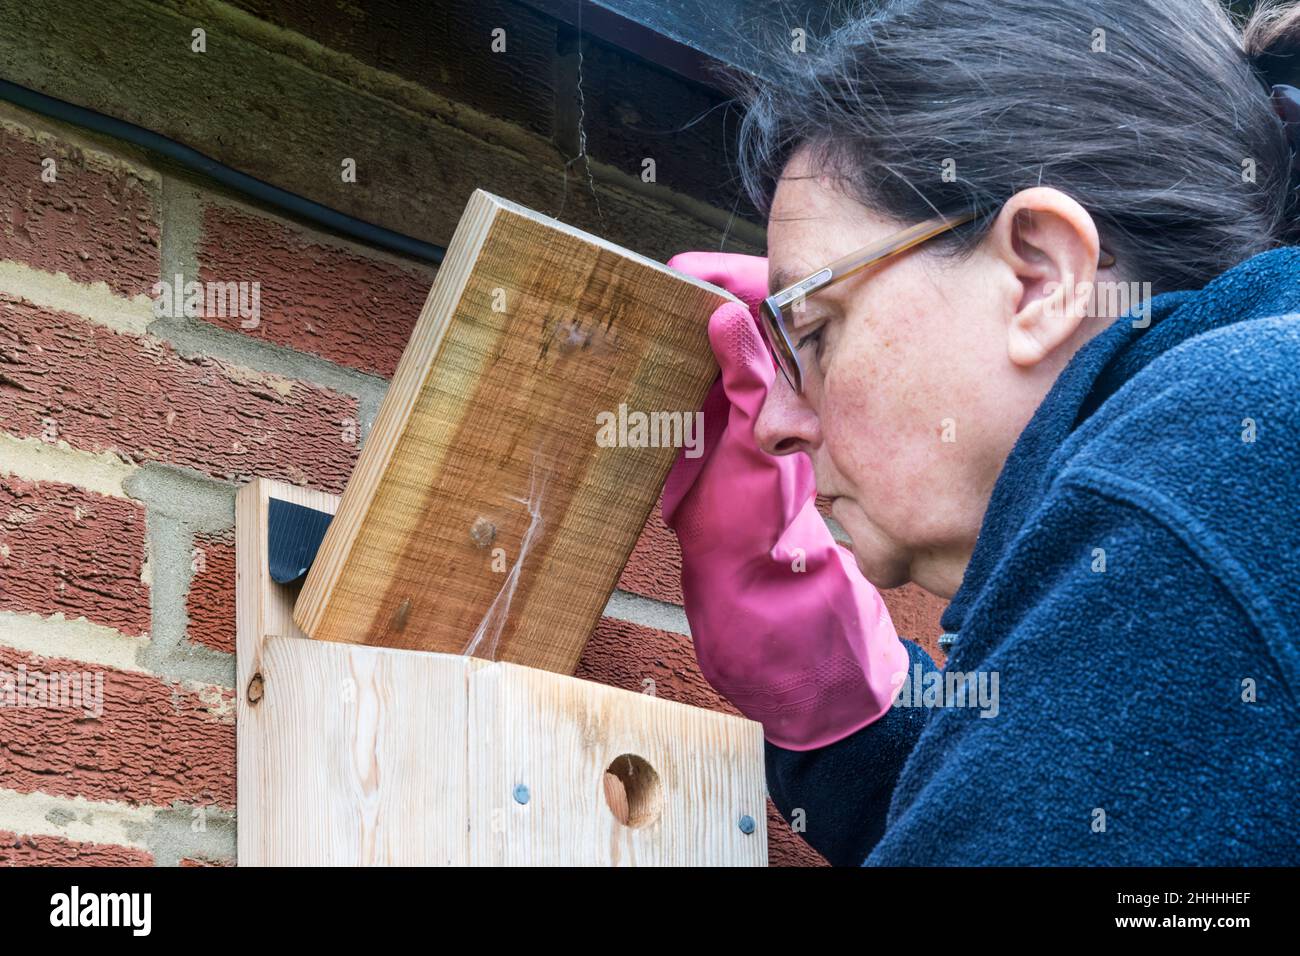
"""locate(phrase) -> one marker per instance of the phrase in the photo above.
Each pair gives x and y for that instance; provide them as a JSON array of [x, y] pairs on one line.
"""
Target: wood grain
[[482, 515], [364, 756]]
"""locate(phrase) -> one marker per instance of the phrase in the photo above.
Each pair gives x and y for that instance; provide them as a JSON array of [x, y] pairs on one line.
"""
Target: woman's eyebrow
[[781, 279]]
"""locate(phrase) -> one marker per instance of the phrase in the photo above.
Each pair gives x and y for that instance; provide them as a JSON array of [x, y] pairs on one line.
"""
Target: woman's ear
[[1050, 244]]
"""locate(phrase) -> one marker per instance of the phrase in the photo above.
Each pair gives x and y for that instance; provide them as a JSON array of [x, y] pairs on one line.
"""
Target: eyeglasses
[[772, 309]]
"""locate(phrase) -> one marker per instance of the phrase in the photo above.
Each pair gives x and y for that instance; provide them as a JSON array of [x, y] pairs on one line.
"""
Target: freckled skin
[[917, 340]]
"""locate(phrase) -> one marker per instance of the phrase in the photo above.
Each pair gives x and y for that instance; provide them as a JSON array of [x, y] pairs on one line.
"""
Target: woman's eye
[[814, 337]]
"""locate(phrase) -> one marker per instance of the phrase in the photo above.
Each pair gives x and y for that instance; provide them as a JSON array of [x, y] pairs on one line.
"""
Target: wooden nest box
[[411, 700]]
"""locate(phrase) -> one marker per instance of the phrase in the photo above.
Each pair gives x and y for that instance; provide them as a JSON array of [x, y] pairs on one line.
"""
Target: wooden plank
[[684, 776], [363, 756], [482, 515]]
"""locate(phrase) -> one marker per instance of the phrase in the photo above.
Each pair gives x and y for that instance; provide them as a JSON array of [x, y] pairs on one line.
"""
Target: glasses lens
[[779, 342]]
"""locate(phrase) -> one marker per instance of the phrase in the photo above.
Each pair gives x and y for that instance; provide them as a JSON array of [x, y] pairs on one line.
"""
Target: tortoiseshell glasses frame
[[772, 309]]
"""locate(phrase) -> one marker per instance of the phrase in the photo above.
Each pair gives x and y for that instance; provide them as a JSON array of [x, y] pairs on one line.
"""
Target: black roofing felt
[[293, 537]]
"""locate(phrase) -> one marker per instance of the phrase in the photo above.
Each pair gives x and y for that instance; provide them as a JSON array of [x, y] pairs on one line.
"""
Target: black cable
[[241, 182]]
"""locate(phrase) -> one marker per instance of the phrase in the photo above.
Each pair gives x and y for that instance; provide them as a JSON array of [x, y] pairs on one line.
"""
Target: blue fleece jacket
[[1134, 601]]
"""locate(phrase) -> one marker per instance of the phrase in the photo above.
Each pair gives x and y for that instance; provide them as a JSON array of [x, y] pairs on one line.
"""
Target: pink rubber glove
[[785, 625]]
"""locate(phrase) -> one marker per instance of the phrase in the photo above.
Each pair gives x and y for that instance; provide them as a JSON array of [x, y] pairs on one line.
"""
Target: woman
[[1072, 407]]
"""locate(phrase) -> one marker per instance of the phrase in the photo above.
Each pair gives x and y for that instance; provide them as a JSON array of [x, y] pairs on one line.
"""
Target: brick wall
[[123, 438]]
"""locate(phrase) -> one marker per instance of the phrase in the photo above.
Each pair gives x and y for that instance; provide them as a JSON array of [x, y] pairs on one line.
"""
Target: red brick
[[211, 601], [96, 222], [623, 654], [64, 549], [154, 742], [45, 850], [316, 297], [136, 397], [654, 569]]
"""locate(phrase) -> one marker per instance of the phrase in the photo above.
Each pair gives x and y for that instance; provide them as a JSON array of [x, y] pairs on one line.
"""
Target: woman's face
[[911, 402]]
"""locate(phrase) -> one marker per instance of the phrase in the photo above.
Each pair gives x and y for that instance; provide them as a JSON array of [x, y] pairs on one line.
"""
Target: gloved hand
[[785, 626]]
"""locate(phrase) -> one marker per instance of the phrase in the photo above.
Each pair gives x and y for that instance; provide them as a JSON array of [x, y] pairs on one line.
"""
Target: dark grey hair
[[1153, 114]]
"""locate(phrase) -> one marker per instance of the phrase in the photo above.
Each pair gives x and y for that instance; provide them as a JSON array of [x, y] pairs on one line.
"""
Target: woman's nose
[[786, 423]]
